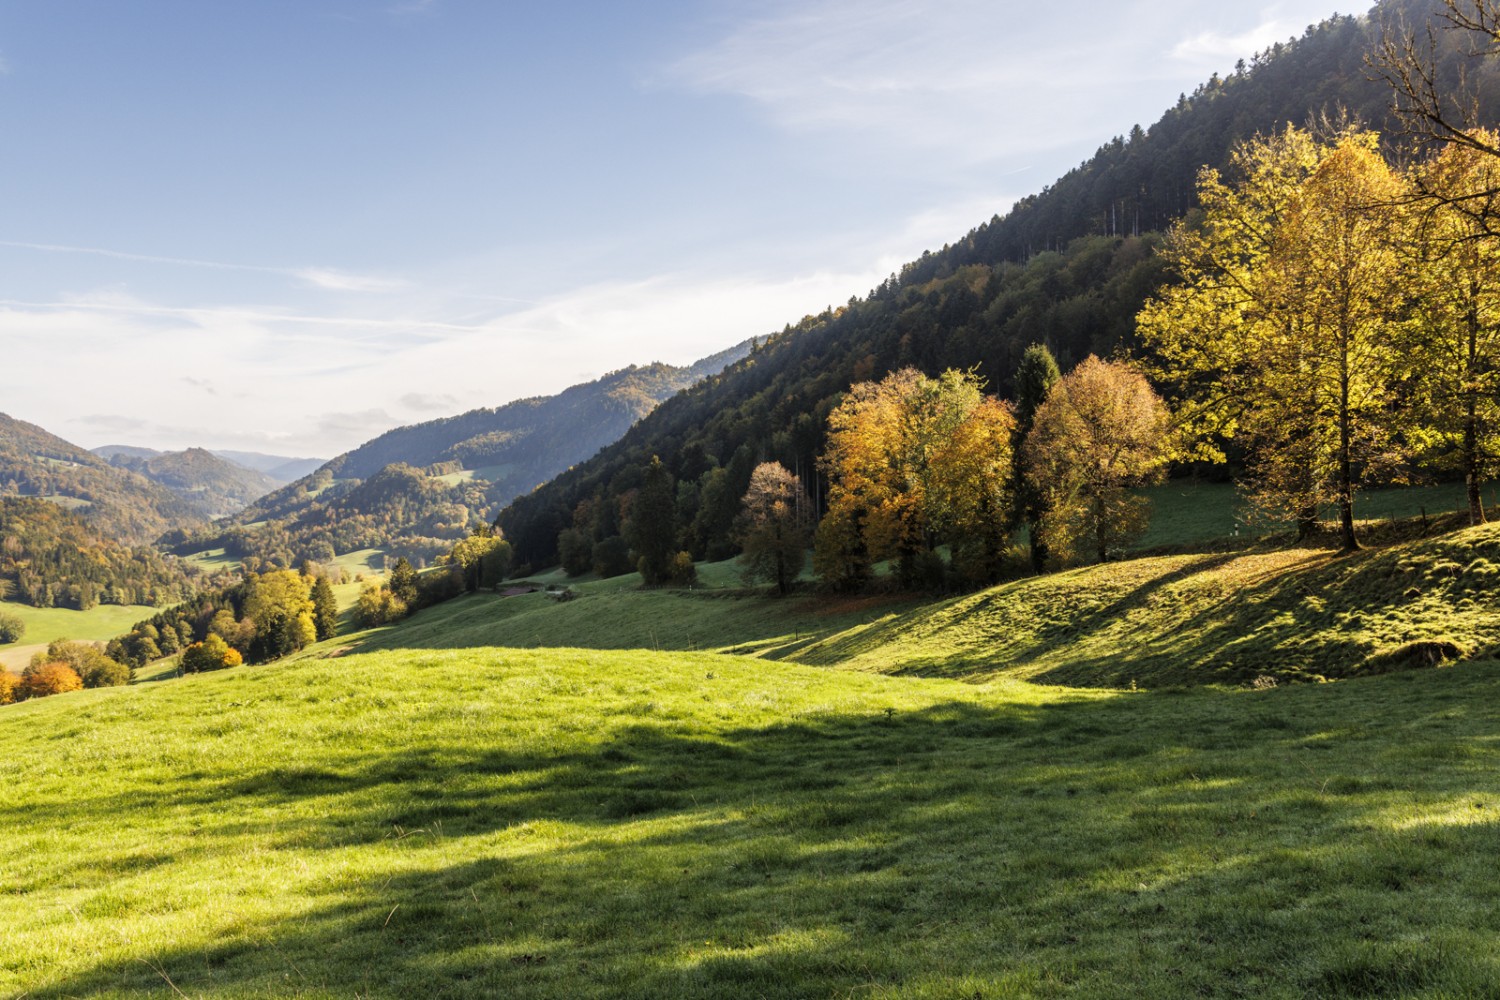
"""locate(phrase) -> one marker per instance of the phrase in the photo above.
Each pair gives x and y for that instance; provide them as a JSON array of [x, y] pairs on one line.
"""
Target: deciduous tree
[[1101, 432], [775, 526]]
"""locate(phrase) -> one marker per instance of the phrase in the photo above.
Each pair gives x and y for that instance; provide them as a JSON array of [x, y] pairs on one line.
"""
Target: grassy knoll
[[1291, 614], [566, 823], [44, 625]]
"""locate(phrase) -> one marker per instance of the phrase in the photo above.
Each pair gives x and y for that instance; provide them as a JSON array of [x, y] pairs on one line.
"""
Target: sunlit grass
[[566, 823], [1227, 618]]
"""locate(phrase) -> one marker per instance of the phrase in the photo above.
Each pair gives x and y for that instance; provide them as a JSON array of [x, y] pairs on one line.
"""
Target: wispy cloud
[[1216, 49], [977, 79], [430, 402], [325, 278]]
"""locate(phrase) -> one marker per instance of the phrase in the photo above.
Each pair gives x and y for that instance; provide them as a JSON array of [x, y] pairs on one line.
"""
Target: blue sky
[[289, 226]]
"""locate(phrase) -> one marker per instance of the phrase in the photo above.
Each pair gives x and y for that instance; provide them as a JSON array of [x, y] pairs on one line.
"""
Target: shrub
[[682, 572], [378, 605], [49, 679], [88, 661], [212, 653], [11, 628], [9, 686]]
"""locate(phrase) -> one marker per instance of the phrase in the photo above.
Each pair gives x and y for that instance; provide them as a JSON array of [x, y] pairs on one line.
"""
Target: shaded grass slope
[[564, 823], [1226, 618]]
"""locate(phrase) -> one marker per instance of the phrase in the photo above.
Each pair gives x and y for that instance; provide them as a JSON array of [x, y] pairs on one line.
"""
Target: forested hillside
[[415, 490], [1069, 267], [50, 557], [121, 504], [210, 485]]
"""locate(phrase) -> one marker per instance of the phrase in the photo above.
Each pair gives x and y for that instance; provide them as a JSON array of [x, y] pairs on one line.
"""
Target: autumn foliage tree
[[43, 680], [1453, 342], [775, 526], [913, 463], [1284, 328], [212, 653], [1101, 432], [10, 686]]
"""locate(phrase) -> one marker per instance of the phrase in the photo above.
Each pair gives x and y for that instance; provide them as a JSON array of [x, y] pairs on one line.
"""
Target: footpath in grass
[[482, 823]]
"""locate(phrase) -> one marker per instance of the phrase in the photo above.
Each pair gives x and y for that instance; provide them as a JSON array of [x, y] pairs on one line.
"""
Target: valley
[[1104, 604]]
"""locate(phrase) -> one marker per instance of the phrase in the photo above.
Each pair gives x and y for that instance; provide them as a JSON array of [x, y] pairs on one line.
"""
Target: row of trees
[[916, 464], [263, 617], [63, 666], [1336, 320]]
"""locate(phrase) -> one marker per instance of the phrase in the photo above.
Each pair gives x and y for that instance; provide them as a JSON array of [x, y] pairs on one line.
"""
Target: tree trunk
[[1471, 416], [1038, 547], [1346, 467]]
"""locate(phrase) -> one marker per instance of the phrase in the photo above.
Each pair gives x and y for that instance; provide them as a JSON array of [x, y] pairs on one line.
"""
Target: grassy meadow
[[1099, 783], [1196, 618], [568, 823], [44, 625]]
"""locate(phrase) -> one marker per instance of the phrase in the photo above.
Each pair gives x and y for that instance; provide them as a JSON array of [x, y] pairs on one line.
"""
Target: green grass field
[[44, 625], [706, 794], [566, 823], [1222, 618]]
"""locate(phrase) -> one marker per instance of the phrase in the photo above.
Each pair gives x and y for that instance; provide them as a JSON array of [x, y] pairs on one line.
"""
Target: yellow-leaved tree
[[1285, 327], [915, 462], [1453, 343], [1101, 432]]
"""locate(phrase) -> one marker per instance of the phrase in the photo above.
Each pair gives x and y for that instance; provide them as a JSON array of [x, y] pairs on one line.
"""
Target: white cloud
[[977, 79]]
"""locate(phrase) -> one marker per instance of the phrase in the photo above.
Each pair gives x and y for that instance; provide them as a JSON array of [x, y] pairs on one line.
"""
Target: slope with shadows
[[1207, 618], [556, 823]]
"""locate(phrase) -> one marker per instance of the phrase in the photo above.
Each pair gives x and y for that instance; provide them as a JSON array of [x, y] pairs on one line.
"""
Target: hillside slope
[[212, 486], [124, 505], [1070, 266], [473, 463], [571, 824], [1217, 618]]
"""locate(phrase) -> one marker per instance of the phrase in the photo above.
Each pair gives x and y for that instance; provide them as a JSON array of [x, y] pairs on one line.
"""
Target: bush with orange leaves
[[47, 679], [9, 685]]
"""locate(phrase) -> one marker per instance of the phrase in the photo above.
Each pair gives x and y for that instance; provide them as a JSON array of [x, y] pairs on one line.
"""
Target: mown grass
[[568, 823]]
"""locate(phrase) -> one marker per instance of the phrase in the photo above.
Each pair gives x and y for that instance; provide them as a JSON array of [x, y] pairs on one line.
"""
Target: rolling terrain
[[124, 505], [414, 490], [799, 808]]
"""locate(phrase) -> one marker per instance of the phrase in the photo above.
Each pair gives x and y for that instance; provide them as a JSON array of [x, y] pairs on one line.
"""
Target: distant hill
[[212, 486], [415, 489], [279, 467], [124, 505], [110, 452]]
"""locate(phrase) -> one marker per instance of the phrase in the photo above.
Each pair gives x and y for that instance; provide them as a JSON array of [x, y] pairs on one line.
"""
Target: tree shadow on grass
[[1146, 844]]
